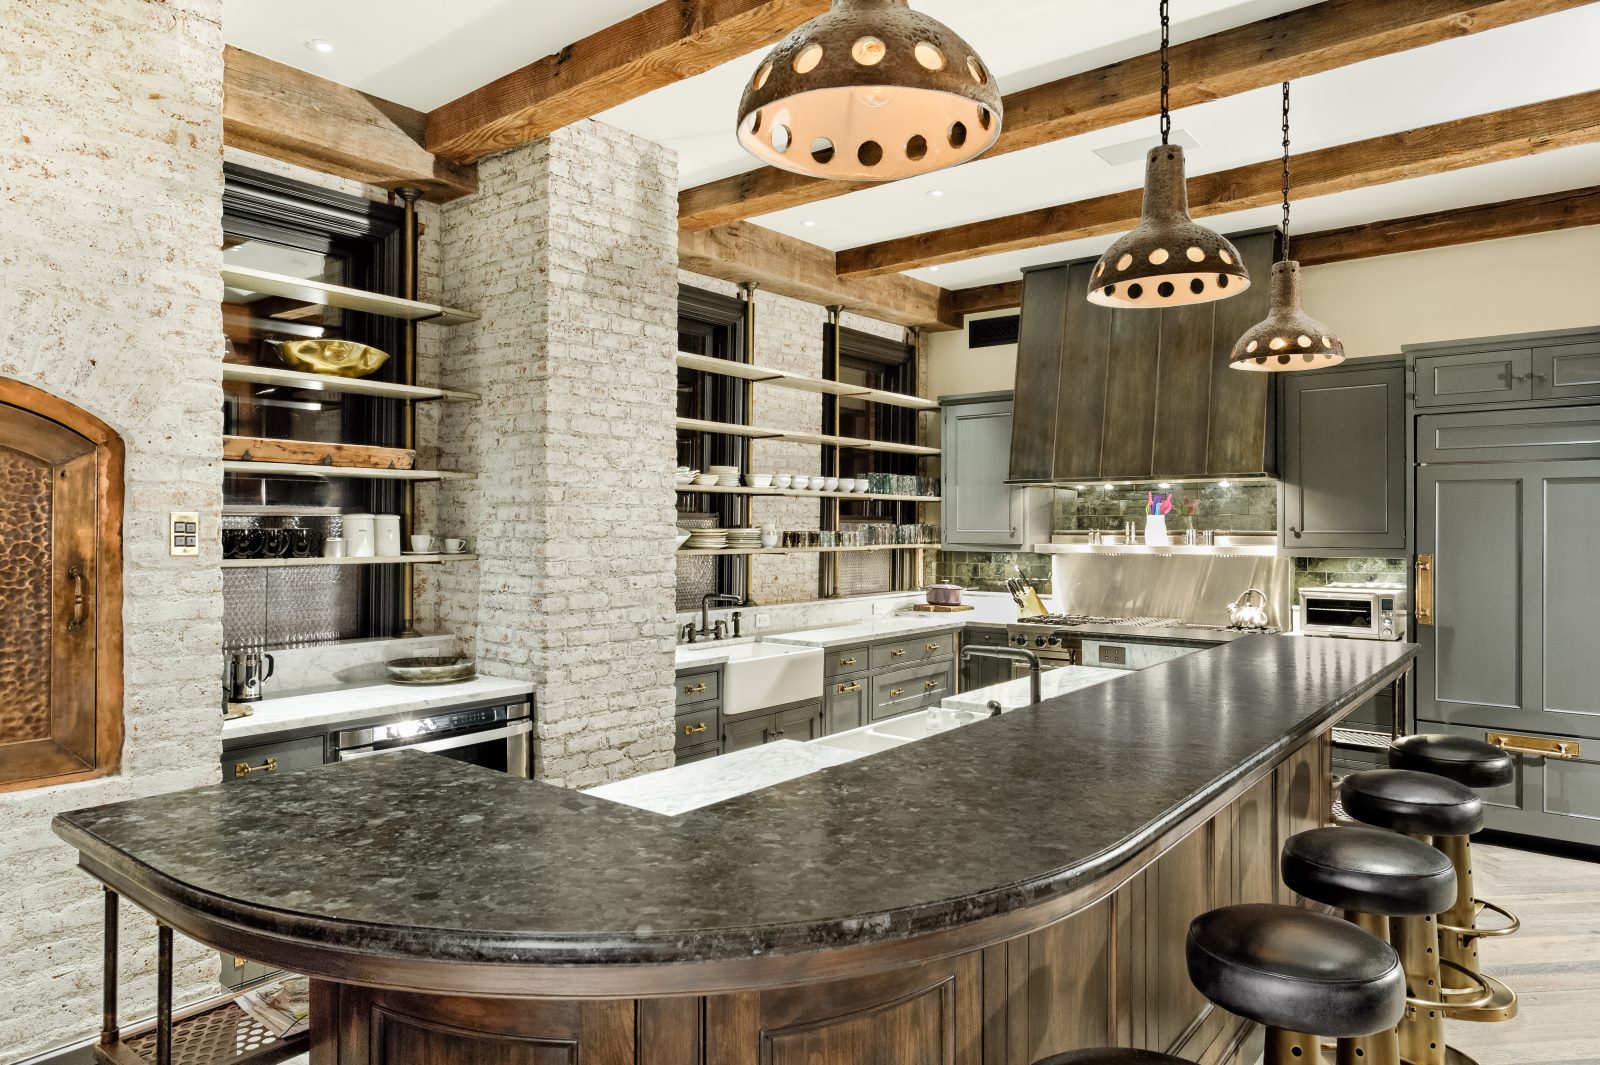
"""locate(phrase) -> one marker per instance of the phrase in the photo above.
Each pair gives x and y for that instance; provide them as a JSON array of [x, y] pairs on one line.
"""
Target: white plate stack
[[727, 476], [707, 539], [744, 539]]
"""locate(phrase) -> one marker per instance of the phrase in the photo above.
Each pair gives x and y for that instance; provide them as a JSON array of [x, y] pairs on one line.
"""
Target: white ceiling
[[1025, 42]]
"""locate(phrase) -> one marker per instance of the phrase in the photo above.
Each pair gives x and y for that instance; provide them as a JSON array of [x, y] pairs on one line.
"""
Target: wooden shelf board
[[790, 493], [803, 550], [279, 563], [756, 432], [314, 382], [294, 469], [784, 379], [323, 294]]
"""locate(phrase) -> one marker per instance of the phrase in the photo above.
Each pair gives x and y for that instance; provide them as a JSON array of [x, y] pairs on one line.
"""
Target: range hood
[[1139, 395]]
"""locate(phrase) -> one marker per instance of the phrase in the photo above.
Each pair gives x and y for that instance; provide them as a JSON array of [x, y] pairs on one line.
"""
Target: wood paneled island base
[[1109, 971]]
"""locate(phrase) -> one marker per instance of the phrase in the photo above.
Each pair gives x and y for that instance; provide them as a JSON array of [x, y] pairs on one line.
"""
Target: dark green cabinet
[[801, 722], [1112, 394], [1344, 460], [983, 672]]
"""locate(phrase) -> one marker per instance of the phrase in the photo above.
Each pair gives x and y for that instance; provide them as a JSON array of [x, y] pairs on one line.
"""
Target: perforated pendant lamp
[[1288, 338], [870, 91], [1169, 260]]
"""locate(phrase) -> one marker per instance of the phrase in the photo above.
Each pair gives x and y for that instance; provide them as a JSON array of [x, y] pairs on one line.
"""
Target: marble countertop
[[1014, 694], [283, 713], [690, 787], [419, 858]]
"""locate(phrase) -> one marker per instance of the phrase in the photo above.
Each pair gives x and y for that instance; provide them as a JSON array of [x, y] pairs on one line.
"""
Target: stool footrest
[[1485, 933], [1482, 989], [1501, 1007]]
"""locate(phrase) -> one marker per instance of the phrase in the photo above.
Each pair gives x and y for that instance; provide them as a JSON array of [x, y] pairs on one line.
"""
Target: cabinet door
[[1571, 371], [982, 672], [700, 726], [1551, 797], [802, 723], [1475, 377], [747, 730], [980, 509], [1516, 582], [1344, 463], [845, 706]]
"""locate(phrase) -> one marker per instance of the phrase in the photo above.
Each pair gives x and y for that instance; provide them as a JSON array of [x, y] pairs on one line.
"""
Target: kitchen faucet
[[718, 631], [1012, 654]]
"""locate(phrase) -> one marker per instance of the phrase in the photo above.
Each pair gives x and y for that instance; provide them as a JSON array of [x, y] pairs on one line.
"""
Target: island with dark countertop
[[1014, 888]]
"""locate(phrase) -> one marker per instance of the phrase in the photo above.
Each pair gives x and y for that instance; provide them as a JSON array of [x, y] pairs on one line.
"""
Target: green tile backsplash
[[1315, 572]]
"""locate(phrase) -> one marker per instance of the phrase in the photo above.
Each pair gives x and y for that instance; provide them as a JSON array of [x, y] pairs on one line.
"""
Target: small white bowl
[[722, 469], [830, 484], [783, 480], [847, 484], [705, 478], [758, 480], [862, 486]]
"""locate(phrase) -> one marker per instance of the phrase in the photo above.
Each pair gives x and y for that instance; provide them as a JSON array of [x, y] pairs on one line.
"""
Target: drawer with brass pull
[[701, 724], [695, 688], [271, 759], [913, 650], [849, 689], [843, 661], [913, 688]]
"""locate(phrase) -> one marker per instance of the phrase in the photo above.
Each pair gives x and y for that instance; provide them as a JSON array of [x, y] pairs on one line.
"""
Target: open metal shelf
[[299, 469], [791, 493], [766, 375], [756, 432], [361, 386], [400, 560], [322, 294]]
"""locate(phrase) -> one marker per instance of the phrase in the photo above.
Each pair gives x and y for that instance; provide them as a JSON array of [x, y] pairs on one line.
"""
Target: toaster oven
[[1368, 611]]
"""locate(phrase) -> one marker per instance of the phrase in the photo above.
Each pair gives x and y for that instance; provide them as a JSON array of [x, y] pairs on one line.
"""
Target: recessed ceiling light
[[317, 44], [936, 193], [810, 223], [933, 269]]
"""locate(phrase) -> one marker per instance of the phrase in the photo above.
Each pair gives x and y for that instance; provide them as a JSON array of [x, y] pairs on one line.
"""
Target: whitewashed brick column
[[110, 227], [569, 253]]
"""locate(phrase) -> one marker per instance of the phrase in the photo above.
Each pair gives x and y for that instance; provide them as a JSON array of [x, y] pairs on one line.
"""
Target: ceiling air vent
[[993, 332]]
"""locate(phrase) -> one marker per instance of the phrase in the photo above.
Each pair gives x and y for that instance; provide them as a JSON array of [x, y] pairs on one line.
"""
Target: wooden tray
[[311, 453], [936, 608]]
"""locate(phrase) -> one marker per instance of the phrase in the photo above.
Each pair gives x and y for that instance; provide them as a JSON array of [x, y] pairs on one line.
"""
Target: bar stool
[[1477, 765], [1114, 1056], [1371, 875], [1423, 806], [1302, 974]]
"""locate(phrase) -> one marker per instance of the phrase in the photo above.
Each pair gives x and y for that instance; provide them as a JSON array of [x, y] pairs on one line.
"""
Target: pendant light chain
[[1286, 254], [1166, 76]]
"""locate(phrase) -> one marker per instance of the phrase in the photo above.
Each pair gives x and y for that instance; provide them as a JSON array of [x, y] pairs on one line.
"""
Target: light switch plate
[[183, 533]]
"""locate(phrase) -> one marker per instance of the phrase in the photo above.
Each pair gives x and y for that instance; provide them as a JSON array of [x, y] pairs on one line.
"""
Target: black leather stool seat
[[1404, 800], [1465, 761], [1296, 970], [1369, 870], [1114, 1056]]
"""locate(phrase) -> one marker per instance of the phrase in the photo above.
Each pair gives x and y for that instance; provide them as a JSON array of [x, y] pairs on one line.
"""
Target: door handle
[[244, 769], [1535, 745], [75, 575], [1424, 589]]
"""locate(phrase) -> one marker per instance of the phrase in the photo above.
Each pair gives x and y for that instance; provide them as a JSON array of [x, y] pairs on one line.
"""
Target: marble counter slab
[[885, 627], [340, 705], [416, 858], [1014, 694], [690, 787]]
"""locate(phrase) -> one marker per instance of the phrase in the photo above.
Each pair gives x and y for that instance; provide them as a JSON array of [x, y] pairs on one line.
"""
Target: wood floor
[[1553, 963]]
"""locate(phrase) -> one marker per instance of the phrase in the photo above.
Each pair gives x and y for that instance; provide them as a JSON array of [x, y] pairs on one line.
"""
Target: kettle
[[1243, 615], [244, 674]]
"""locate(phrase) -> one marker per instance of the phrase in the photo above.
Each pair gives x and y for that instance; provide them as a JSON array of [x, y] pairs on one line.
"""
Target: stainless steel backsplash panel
[[1195, 588]]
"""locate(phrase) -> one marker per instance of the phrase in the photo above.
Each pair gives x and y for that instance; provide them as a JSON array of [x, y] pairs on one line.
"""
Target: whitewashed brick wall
[[569, 252], [110, 212]]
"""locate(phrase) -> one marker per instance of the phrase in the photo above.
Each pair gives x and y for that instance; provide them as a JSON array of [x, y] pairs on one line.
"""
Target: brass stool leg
[[1416, 940], [1292, 1048], [1461, 948], [1383, 1048]]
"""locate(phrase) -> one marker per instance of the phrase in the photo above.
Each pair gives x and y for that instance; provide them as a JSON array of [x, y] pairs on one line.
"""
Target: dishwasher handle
[[465, 739]]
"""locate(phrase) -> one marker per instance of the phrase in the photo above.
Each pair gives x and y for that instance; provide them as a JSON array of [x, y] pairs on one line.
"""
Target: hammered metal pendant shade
[[870, 91], [1288, 339], [1168, 260]]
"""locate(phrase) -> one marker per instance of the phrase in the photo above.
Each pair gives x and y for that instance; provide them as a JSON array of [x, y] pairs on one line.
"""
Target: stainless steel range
[[1058, 639]]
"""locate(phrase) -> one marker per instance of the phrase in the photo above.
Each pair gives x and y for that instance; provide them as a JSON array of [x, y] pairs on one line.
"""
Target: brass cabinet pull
[[932, 648], [895, 693], [897, 653], [847, 661], [240, 963], [1424, 589], [1535, 745], [75, 575], [695, 690], [928, 686], [846, 689], [244, 769], [694, 730]]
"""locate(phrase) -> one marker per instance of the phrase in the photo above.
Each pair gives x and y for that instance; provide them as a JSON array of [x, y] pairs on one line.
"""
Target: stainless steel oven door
[[506, 748], [1020, 670]]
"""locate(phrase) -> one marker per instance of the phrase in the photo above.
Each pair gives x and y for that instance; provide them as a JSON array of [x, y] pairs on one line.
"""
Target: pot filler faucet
[[1010, 654], [717, 632]]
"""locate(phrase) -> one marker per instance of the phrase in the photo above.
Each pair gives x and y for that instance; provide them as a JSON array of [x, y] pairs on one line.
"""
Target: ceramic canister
[[359, 532], [386, 535]]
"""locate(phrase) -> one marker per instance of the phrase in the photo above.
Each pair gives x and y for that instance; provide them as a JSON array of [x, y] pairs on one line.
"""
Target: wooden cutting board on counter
[[313, 453], [940, 608]]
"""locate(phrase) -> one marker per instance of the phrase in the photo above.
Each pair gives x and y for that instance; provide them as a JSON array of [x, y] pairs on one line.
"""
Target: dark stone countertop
[[415, 856]]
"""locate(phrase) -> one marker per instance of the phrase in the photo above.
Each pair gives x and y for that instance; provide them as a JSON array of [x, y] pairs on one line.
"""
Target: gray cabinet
[[697, 728], [1533, 367], [801, 722], [1504, 376], [264, 759], [844, 704], [980, 511], [904, 690], [1567, 371], [1344, 460], [1139, 395], [1552, 796], [983, 672]]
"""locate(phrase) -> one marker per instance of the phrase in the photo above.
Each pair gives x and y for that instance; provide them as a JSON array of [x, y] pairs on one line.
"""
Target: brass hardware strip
[[1535, 745], [244, 769], [1424, 589]]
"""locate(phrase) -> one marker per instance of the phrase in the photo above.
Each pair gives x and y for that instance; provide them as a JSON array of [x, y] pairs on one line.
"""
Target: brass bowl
[[336, 358]]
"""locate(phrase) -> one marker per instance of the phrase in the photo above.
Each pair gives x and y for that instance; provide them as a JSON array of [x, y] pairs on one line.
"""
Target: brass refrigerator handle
[[75, 575], [1538, 746], [1424, 589]]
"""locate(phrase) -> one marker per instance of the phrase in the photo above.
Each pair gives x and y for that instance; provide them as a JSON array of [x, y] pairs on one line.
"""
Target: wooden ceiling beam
[[744, 252], [286, 114], [1442, 229], [1437, 149], [1328, 35], [663, 44]]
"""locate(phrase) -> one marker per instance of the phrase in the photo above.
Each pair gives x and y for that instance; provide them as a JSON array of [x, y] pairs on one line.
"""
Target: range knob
[[1054, 641], [1039, 641], [1019, 640]]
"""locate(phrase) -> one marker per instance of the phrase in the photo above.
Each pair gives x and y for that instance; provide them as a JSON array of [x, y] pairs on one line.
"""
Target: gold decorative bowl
[[336, 358]]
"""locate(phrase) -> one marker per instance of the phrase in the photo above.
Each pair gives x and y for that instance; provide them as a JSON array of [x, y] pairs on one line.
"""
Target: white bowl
[[705, 478], [830, 484], [847, 484], [758, 480], [722, 469], [783, 480], [862, 486]]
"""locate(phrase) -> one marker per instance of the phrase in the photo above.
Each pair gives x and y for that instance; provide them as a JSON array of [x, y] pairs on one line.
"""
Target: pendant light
[[1288, 339], [870, 91], [1169, 260]]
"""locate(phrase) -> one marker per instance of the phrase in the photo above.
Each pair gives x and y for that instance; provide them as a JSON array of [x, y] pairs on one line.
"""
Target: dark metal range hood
[[1139, 395]]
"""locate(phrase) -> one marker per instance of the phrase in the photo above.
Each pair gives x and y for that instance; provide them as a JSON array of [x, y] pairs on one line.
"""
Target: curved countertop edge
[[451, 960]]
